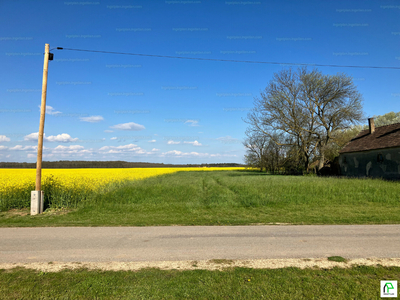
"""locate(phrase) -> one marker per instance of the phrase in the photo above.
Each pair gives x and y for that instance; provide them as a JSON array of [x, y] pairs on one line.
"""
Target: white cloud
[[86, 151], [126, 149], [113, 138], [177, 153], [72, 147], [108, 130], [114, 151], [130, 147], [152, 141], [104, 148], [195, 143], [92, 119], [63, 151], [63, 138], [172, 152], [31, 136], [128, 126], [3, 138], [22, 148], [223, 155], [192, 122], [171, 142], [122, 152], [50, 110]]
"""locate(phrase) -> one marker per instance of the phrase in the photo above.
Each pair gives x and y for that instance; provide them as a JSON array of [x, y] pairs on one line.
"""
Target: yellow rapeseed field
[[69, 184]]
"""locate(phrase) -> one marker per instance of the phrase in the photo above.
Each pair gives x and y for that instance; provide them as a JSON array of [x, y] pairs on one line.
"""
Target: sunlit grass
[[228, 198], [235, 283]]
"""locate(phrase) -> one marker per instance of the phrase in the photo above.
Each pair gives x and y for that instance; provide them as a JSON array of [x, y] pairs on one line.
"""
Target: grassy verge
[[359, 282], [229, 198]]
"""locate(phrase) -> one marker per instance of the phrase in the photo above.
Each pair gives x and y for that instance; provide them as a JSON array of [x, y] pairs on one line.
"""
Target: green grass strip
[[359, 282]]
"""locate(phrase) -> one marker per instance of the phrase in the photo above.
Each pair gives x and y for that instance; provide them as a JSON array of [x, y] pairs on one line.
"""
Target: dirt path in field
[[216, 264]]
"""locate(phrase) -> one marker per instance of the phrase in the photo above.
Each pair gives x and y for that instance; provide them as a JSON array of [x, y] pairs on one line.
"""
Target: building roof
[[383, 137]]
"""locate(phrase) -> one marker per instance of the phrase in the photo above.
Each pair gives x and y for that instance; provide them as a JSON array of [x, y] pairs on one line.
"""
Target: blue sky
[[150, 109]]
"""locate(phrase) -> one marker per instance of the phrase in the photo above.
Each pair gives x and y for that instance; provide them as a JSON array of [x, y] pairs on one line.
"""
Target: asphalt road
[[104, 244]]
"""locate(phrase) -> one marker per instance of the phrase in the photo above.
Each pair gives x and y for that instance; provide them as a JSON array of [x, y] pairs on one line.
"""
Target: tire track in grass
[[243, 200], [217, 194]]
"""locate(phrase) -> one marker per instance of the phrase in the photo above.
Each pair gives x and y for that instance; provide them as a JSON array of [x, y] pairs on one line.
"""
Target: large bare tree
[[256, 145], [307, 108], [262, 152]]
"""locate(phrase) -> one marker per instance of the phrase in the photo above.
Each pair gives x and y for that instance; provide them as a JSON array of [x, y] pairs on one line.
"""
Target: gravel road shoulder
[[214, 264]]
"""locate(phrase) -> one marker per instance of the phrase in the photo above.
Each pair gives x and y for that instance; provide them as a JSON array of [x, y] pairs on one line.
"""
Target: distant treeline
[[66, 164]]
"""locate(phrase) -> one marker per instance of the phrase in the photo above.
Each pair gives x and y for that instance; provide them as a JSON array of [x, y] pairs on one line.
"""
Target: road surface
[[178, 243]]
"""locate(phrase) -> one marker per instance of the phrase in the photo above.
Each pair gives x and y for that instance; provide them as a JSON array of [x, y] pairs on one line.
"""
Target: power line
[[232, 60]]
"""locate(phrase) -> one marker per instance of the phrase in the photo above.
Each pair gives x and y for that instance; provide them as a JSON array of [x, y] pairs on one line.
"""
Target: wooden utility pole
[[42, 116], [37, 197]]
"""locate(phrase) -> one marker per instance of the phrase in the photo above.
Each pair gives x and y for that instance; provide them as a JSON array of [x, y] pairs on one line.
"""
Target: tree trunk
[[321, 162]]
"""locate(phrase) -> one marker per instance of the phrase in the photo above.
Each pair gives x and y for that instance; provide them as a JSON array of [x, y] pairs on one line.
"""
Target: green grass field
[[228, 198], [236, 283], [215, 198]]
